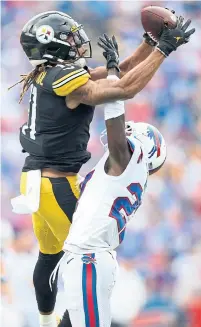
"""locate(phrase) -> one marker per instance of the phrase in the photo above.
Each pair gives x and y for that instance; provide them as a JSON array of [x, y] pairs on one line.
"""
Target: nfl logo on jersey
[[87, 259]]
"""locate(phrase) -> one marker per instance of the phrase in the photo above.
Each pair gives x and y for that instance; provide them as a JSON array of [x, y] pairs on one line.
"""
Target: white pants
[[88, 282]]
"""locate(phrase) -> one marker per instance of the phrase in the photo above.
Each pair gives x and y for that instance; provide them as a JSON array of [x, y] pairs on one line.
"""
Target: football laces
[[152, 37]]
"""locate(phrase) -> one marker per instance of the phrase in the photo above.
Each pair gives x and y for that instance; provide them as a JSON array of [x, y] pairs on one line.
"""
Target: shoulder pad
[[68, 78]]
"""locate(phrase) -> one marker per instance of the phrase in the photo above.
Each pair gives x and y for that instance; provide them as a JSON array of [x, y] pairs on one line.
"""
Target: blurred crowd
[[160, 274]]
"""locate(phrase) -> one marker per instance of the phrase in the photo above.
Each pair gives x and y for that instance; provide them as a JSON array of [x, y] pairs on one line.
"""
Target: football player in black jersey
[[62, 100]]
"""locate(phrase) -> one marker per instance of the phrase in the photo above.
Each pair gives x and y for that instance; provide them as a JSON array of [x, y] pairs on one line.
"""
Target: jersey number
[[31, 124], [123, 207]]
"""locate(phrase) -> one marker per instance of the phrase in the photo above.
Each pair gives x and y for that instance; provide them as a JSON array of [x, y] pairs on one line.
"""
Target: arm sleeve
[[68, 79]]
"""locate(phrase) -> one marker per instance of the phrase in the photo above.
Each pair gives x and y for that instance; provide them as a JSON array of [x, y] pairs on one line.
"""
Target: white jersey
[[107, 203]]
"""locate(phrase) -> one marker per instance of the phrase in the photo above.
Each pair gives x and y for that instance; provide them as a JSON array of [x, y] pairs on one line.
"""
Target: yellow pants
[[51, 223]]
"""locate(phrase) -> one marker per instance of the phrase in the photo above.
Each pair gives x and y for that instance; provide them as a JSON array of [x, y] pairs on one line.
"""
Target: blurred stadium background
[[160, 259]]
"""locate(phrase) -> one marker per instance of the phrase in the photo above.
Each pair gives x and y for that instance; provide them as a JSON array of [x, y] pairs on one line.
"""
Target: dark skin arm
[[119, 153], [103, 91], [141, 53]]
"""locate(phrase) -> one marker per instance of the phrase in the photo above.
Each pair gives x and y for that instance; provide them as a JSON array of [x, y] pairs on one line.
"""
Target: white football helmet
[[150, 137], [152, 140]]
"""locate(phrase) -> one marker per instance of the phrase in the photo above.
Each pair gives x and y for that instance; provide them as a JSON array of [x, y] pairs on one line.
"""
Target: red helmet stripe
[[158, 144]]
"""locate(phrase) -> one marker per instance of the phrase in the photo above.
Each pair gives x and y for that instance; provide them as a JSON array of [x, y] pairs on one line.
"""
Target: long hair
[[28, 80]]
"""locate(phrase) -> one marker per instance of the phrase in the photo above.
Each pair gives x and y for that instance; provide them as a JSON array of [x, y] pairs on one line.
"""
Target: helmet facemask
[[81, 41], [70, 46]]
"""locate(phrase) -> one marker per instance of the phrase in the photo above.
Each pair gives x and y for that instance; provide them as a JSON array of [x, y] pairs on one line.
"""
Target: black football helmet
[[45, 38]]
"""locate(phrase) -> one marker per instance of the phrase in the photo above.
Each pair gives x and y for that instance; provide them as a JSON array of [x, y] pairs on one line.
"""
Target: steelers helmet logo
[[45, 34]]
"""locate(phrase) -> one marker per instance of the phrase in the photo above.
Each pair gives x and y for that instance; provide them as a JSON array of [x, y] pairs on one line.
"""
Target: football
[[154, 19]]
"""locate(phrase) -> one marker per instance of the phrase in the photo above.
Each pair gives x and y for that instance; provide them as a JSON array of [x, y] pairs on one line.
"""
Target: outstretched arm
[[134, 81], [119, 154], [102, 91], [140, 54]]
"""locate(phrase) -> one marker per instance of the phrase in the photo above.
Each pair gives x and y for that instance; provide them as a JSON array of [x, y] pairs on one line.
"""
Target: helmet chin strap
[[49, 56], [35, 63], [81, 62]]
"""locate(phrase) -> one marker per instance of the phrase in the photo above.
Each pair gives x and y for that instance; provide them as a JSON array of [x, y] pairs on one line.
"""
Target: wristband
[[116, 108]]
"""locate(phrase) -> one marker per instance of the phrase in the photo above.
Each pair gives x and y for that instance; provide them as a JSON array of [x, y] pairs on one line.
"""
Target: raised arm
[[102, 91], [134, 81], [119, 154], [140, 54]]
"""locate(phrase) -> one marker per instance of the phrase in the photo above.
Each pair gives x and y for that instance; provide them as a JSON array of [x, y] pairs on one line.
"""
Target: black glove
[[171, 39], [111, 52], [150, 39]]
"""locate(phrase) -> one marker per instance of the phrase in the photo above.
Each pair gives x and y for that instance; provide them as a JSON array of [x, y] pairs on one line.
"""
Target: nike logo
[[177, 38]]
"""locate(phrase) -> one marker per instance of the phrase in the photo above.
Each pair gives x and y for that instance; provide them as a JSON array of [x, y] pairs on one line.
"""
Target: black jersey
[[56, 136]]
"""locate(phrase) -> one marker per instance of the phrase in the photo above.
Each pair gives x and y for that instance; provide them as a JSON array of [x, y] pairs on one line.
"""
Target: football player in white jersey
[[110, 195]]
